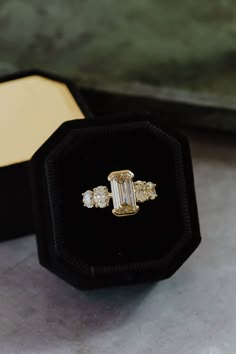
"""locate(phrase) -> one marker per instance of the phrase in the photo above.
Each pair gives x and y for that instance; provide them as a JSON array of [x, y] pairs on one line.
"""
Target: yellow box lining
[[31, 109]]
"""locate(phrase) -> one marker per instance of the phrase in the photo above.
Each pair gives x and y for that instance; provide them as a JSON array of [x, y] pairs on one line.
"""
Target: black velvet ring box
[[92, 247], [33, 105]]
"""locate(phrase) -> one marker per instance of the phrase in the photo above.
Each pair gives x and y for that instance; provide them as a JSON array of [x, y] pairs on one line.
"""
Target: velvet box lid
[[33, 105], [92, 247]]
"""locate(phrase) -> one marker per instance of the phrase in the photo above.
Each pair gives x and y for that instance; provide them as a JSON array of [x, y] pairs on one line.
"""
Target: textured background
[[162, 50], [189, 45]]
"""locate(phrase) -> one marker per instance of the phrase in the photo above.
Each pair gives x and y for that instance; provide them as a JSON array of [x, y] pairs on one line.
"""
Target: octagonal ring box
[[33, 105], [91, 247]]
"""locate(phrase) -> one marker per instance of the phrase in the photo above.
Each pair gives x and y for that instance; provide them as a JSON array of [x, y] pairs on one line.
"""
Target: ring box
[[91, 247], [33, 105]]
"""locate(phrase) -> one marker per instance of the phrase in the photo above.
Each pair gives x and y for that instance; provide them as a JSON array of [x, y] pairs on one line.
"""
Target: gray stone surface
[[194, 312]]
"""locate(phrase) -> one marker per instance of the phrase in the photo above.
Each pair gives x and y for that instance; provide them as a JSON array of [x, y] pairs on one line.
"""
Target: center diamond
[[123, 193]]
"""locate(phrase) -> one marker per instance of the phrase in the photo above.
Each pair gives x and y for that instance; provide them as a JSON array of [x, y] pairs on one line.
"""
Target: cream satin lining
[[31, 109]]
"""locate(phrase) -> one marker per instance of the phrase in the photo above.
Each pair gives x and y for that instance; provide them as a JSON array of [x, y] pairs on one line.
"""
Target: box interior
[[96, 237]]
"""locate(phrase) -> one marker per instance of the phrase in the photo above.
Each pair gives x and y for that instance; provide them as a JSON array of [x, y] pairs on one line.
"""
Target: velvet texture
[[16, 217], [92, 247], [15, 196]]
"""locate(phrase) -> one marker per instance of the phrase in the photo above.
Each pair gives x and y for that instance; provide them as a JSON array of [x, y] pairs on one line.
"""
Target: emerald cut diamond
[[123, 193]]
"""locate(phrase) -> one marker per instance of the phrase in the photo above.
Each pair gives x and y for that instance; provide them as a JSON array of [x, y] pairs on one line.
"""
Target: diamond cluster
[[125, 194], [145, 191], [99, 197]]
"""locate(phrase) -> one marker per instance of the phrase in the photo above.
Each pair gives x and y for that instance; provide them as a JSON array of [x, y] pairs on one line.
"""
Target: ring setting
[[125, 193]]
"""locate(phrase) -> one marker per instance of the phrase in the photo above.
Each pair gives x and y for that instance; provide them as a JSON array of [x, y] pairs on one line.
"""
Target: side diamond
[[151, 190], [101, 197], [140, 191], [145, 191], [88, 199]]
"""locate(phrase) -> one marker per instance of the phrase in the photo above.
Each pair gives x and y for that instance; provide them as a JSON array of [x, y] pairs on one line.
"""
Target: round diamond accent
[[145, 191], [151, 190], [140, 190], [88, 199], [101, 197]]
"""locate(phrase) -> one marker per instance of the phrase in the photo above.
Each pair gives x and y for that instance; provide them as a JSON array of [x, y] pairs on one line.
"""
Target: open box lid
[[33, 105]]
